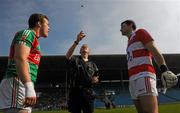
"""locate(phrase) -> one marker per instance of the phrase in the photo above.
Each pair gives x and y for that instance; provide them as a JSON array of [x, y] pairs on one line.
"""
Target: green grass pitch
[[166, 108]]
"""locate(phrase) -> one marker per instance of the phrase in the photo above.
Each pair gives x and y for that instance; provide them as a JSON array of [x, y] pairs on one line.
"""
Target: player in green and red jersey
[[17, 87], [28, 38]]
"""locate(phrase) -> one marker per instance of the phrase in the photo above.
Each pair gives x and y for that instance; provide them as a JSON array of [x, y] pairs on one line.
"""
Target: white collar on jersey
[[132, 34], [85, 59]]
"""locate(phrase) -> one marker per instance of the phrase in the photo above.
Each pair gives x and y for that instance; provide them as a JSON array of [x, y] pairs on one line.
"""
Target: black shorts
[[80, 100]]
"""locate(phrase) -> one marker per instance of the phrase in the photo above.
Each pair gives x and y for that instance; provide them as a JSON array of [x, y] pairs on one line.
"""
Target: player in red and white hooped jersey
[[142, 77], [139, 58]]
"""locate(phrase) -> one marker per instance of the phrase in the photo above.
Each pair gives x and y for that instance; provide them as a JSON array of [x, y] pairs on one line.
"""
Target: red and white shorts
[[142, 86], [12, 94]]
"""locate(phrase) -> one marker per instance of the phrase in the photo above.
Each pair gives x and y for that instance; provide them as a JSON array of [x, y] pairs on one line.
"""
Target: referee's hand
[[94, 79]]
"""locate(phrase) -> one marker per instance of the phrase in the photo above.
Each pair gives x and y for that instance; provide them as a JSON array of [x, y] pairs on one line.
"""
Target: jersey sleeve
[[95, 69], [144, 36], [25, 37], [72, 61]]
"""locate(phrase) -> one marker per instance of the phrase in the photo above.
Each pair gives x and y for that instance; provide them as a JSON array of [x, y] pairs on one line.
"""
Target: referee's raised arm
[[70, 51]]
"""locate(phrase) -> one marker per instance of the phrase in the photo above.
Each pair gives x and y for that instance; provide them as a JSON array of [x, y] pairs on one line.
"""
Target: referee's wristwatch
[[76, 42]]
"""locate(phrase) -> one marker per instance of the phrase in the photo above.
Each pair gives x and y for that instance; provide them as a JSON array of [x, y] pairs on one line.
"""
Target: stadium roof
[[112, 67]]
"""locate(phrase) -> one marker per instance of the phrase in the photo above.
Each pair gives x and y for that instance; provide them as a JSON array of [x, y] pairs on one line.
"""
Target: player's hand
[[80, 36], [30, 94], [168, 79], [94, 79]]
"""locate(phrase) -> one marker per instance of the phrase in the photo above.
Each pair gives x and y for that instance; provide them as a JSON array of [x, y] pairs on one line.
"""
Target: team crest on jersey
[[23, 37]]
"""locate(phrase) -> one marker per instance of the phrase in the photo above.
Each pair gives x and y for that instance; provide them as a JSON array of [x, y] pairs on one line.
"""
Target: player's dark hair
[[130, 22], [36, 17]]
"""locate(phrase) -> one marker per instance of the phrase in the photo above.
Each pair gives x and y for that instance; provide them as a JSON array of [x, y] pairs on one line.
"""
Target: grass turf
[[166, 108]]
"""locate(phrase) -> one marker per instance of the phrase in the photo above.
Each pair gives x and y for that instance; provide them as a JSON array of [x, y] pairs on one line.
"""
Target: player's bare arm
[[69, 53], [168, 78], [156, 53], [21, 59]]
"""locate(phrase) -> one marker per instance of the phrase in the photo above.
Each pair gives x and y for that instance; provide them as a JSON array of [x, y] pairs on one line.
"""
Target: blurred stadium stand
[[52, 79]]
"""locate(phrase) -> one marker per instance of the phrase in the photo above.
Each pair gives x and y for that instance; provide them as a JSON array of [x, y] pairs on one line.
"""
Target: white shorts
[[12, 94], [142, 86]]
